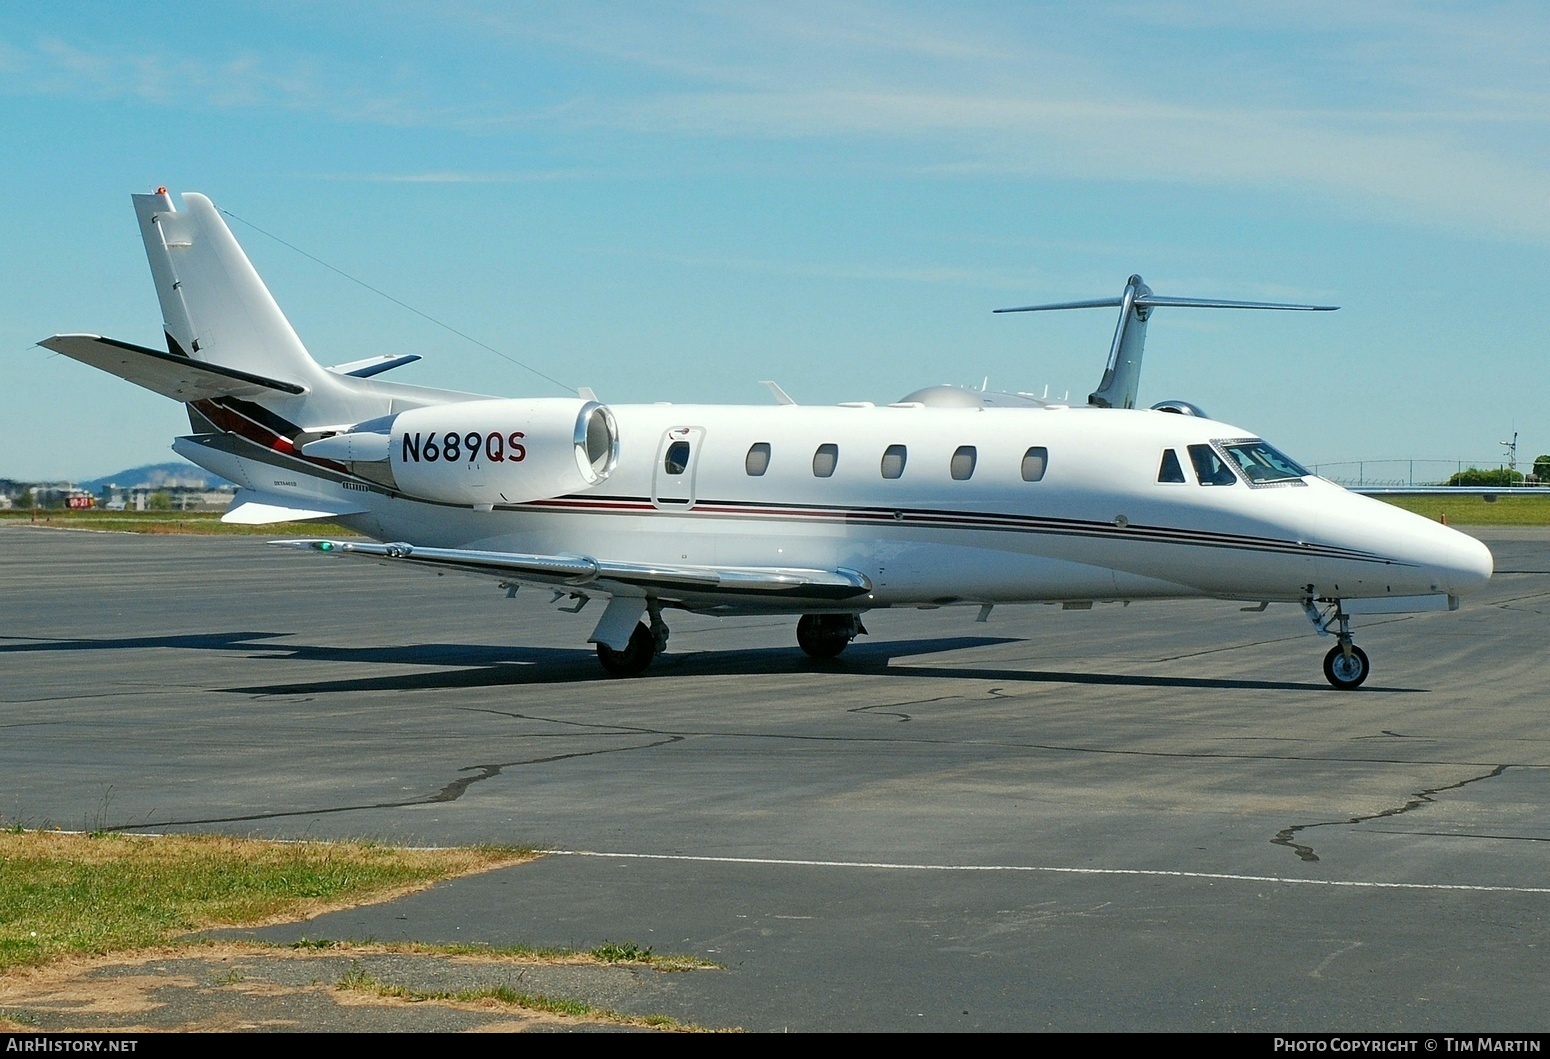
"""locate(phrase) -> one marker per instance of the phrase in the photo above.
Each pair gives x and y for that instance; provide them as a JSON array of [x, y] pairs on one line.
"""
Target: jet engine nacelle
[[481, 452], [502, 451]]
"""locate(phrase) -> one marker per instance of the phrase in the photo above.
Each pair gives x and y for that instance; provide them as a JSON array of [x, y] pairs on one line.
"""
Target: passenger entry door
[[677, 457]]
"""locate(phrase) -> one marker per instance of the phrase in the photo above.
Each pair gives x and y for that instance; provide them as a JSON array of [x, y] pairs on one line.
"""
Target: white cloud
[[1431, 115]]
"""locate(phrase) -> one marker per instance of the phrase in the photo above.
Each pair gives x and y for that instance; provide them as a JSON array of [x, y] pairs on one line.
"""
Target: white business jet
[[949, 496]]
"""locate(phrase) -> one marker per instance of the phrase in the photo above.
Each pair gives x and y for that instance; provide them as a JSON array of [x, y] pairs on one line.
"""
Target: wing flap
[[252, 508], [170, 375], [608, 575]]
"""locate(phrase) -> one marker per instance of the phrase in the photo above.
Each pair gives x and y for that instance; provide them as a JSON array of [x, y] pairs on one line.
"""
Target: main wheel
[[1346, 672], [636, 656], [825, 635]]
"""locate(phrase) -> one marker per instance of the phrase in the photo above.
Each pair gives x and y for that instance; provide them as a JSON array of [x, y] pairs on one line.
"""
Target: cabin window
[[1260, 463], [758, 460], [1210, 468], [677, 459], [893, 461], [962, 464], [1170, 471], [825, 460], [1034, 462]]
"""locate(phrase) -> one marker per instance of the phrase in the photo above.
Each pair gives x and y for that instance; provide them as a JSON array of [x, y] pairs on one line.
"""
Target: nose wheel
[[1346, 667]]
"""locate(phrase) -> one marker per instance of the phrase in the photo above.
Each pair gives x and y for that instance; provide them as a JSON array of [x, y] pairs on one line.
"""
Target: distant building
[[178, 498]]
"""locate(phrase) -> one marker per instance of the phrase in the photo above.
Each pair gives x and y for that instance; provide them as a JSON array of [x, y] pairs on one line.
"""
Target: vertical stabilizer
[[1122, 377], [215, 308]]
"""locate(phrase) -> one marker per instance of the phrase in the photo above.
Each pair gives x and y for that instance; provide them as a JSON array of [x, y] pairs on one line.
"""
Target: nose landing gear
[[1346, 665]]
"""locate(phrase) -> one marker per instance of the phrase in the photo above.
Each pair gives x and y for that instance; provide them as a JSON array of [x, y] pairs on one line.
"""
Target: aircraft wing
[[606, 576], [170, 375]]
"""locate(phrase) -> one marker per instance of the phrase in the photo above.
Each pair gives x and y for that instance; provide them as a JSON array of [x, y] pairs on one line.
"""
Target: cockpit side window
[[1170, 471], [1210, 468]]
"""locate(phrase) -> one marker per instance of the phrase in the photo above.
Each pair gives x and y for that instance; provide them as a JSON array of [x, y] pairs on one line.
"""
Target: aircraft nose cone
[[1471, 564]]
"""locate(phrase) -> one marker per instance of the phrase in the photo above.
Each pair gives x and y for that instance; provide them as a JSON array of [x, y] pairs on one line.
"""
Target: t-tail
[[214, 306], [308, 442], [255, 397], [1122, 376]]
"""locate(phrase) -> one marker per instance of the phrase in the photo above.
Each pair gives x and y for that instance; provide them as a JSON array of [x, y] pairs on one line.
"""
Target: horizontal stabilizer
[[575, 570], [1151, 301], [170, 375], [1122, 377], [365, 369], [252, 508]]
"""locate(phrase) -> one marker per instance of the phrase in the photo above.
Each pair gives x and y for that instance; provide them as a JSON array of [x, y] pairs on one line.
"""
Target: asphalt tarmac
[[1155, 817]]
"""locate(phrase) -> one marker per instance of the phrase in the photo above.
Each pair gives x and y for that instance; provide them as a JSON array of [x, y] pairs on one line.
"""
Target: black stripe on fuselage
[[929, 518], [947, 519]]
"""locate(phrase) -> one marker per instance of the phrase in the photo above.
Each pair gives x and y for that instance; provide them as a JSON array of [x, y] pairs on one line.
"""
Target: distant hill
[[158, 475]]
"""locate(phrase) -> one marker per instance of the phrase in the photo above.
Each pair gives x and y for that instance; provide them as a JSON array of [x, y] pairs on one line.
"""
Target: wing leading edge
[[607, 576]]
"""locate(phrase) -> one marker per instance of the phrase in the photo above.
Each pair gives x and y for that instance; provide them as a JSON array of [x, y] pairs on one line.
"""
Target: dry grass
[[77, 895]]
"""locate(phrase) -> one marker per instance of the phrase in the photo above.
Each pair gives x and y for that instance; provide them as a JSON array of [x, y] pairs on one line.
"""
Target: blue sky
[[672, 202]]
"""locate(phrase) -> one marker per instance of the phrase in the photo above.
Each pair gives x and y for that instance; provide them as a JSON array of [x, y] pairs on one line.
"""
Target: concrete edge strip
[[1149, 872]]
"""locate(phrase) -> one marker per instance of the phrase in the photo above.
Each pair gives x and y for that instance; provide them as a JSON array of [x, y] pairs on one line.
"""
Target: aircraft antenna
[[402, 304]]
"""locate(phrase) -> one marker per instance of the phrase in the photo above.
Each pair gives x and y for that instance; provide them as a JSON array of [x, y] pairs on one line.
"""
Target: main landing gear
[[1346, 665], [646, 642], [826, 635]]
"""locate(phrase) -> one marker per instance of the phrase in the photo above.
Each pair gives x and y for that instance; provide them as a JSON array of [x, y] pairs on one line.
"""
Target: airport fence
[[1404, 472]]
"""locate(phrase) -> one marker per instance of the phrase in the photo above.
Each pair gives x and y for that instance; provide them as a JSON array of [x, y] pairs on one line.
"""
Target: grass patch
[[88, 895], [204, 523], [1474, 511], [609, 952], [627, 952], [358, 980]]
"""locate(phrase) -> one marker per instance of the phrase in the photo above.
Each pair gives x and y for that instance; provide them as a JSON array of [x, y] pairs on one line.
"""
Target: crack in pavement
[[448, 793], [887, 709], [454, 790], [998, 693], [1284, 837], [1186, 755]]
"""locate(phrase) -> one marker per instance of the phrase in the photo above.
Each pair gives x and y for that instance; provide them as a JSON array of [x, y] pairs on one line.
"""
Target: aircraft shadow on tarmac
[[487, 665]]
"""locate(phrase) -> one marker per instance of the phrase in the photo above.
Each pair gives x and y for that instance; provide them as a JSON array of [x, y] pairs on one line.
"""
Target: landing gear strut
[[646, 642], [1346, 665], [826, 635]]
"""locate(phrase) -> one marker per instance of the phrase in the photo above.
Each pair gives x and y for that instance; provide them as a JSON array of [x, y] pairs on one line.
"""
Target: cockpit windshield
[[1260, 463]]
